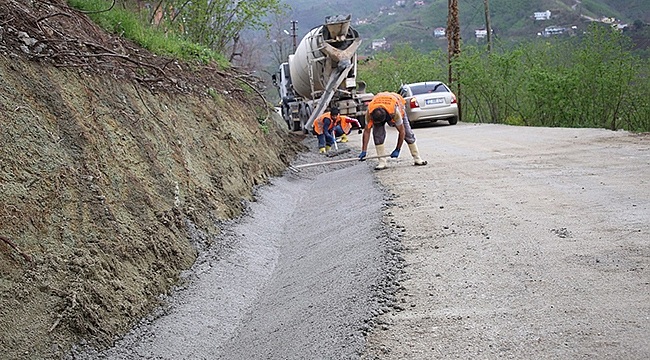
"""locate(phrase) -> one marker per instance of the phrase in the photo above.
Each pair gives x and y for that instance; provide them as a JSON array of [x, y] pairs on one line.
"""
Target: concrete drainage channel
[[301, 276]]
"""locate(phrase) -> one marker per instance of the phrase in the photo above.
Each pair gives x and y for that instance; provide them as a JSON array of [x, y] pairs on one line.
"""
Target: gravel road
[[512, 243], [300, 276], [522, 243]]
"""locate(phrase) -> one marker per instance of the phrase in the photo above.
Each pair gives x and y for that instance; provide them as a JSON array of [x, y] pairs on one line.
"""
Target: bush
[[594, 80], [129, 24], [588, 81]]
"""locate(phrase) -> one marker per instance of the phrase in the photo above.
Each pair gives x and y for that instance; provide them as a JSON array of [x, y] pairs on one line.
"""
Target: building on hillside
[[401, 3], [418, 3], [543, 15], [361, 21], [619, 26], [553, 30], [378, 44], [481, 33], [439, 32]]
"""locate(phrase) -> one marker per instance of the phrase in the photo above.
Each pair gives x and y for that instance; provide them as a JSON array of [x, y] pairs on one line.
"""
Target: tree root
[[15, 247]]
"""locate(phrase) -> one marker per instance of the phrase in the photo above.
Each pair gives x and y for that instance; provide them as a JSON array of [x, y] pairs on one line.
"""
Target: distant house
[[401, 3], [544, 15], [439, 32], [378, 43], [418, 3], [553, 30], [481, 33]]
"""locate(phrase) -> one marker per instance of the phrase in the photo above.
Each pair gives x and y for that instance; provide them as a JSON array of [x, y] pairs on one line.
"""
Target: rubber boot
[[416, 155], [383, 162], [321, 150], [344, 138]]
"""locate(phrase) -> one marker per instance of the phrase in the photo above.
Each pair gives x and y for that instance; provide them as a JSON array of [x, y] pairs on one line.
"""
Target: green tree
[[388, 70], [592, 80], [217, 24]]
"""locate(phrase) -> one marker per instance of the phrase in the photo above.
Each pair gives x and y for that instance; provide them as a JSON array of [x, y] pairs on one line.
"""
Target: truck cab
[[289, 105]]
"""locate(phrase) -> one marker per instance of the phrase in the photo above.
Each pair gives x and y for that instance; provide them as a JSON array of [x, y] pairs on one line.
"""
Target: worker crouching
[[343, 125], [323, 126], [331, 125]]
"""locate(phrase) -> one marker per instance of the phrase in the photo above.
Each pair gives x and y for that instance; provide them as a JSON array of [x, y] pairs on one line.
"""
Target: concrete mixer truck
[[322, 73]]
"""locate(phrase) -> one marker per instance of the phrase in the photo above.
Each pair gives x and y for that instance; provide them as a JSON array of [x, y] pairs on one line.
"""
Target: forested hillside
[[411, 21]]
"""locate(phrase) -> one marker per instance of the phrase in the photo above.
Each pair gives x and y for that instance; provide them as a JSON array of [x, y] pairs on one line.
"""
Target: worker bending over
[[388, 108]]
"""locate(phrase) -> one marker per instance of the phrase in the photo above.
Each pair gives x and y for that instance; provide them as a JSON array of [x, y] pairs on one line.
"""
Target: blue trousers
[[326, 137], [338, 131]]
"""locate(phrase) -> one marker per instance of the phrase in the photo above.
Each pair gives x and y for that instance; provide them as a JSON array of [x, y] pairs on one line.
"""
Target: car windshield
[[428, 88]]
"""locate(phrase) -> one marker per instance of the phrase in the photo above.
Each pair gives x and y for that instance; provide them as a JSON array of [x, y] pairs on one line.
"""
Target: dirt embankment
[[111, 160]]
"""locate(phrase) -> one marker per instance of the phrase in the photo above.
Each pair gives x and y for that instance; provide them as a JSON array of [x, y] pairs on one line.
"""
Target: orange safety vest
[[346, 123], [320, 121], [389, 101]]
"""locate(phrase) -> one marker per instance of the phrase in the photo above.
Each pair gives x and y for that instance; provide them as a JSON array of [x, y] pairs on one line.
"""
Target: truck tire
[[296, 125], [303, 122], [287, 116]]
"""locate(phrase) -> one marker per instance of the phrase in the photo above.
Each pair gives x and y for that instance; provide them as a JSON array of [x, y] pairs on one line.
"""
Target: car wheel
[[453, 120]]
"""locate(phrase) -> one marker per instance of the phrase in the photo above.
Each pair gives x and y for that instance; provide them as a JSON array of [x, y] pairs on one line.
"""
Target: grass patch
[[130, 25]]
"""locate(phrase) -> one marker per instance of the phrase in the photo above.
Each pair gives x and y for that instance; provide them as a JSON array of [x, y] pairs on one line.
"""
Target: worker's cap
[[334, 111]]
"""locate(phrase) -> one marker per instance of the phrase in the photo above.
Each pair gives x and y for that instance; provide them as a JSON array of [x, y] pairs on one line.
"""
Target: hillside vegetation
[[593, 80], [511, 20], [592, 75]]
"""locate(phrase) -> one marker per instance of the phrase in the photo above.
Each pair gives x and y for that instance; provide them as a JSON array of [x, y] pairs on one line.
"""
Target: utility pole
[[453, 35], [293, 34], [453, 45], [487, 25]]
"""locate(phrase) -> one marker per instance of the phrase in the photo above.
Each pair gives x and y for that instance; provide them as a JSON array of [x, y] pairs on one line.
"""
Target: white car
[[430, 101]]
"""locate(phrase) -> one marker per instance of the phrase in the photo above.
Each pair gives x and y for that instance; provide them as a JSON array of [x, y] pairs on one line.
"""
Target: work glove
[[395, 153], [362, 156]]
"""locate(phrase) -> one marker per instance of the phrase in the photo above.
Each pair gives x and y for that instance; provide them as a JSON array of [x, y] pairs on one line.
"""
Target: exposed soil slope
[[111, 158]]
